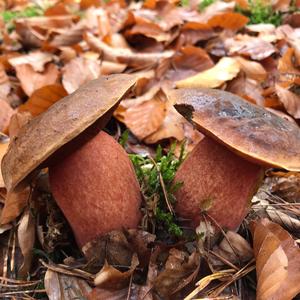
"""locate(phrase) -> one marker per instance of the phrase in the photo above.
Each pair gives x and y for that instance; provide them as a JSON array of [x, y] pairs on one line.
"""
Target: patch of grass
[[205, 3], [156, 180], [260, 13]]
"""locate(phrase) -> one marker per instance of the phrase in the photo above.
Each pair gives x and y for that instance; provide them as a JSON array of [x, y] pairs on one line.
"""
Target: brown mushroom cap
[[246, 129], [62, 122]]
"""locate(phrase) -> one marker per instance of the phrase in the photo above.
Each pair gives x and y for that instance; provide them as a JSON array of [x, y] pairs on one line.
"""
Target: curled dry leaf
[[31, 80], [64, 287], [5, 85], [6, 112], [125, 56], [17, 121], [26, 239], [43, 98], [78, 71], [61, 123], [277, 261], [290, 100], [109, 67], [111, 278], [36, 60], [226, 69]]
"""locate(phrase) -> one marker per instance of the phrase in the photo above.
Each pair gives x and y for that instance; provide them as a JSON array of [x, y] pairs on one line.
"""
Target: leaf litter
[[50, 49]]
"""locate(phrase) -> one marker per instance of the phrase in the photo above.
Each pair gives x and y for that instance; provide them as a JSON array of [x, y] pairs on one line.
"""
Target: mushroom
[[225, 169], [91, 175]]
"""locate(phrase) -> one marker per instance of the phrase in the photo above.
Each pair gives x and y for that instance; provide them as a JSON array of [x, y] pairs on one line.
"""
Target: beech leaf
[[277, 261], [226, 69]]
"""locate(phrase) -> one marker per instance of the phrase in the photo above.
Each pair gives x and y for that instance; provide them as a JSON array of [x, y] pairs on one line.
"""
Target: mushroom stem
[[216, 181]]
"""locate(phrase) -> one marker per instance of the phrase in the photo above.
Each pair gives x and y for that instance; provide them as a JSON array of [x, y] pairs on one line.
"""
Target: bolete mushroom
[[91, 175], [225, 169]]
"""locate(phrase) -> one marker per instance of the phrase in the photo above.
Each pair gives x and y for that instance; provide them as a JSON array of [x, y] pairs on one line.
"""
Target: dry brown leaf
[[26, 239], [108, 67], [17, 121], [145, 118], [14, 204], [179, 271], [31, 80], [63, 121], [36, 60], [78, 71], [111, 278], [290, 100], [277, 261], [126, 56], [253, 70], [5, 85], [6, 112], [249, 46], [63, 287], [43, 98], [226, 69], [4, 142], [234, 248]]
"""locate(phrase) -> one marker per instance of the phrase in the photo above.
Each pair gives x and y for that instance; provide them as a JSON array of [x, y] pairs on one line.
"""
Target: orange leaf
[[43, 98], [277, 261], [229, 20]]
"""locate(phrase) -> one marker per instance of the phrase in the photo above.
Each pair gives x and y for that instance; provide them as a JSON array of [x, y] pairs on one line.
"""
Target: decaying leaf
[[62, 122], [226, 69], [43, 98], [277, 261], [4, 142], [63, 287]]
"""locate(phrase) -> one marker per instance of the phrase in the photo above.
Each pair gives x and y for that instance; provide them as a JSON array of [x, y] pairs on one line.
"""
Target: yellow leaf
[[226, 69]]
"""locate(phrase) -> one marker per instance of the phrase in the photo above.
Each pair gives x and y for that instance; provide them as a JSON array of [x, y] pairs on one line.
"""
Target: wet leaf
[[62, 122], [226, 69], [277, 261], [43, 98], [31, 80], [63, 287]]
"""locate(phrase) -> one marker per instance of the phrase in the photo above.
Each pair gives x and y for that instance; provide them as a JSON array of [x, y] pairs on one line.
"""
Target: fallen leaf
[[42, 98], [179, 271], [290, 100], [111, 278], [6, 112], [4, 143], [17, 121], [108, 67], [64, 287], [31, 80], [5, 85], [78, 71], [36, 60], [126, 56], [62, 122], [277, 261], [246, 45], [26, 239], [145, 118], [253, 70], [229, 20], [14, 204], [226, 69]]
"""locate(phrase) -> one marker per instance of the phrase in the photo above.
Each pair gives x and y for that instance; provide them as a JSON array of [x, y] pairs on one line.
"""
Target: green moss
[[205, 3]]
